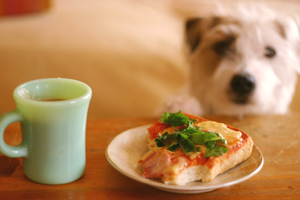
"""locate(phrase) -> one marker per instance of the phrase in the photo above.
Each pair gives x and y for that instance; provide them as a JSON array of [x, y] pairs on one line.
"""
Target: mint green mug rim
[[18, 97]]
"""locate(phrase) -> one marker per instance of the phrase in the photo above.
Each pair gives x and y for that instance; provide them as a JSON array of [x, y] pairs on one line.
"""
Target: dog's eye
[[270, 52], [221, 48]]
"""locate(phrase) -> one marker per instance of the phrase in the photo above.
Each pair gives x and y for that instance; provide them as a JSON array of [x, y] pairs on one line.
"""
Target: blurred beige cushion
[[130, 53]]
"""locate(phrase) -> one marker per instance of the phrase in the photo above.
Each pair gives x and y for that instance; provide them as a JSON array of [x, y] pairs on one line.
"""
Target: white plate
[[125, 150]]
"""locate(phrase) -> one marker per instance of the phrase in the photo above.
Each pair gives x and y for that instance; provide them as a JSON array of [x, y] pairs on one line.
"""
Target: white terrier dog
[[243, 62]]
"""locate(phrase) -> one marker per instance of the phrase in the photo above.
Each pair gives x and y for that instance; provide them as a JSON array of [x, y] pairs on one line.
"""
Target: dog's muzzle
[[242, 86]]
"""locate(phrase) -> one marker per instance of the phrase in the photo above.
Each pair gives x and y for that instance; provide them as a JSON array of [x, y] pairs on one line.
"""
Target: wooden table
[[278, 137]]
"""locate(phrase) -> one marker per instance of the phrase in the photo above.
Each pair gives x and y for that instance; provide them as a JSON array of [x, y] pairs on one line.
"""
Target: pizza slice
[[185, 148]]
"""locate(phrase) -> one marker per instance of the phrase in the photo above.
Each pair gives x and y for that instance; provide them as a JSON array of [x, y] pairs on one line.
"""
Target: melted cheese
[[175, 167], [232, 137]]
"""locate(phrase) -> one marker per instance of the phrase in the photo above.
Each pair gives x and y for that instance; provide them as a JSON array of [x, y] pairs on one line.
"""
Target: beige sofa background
[[129, 52]]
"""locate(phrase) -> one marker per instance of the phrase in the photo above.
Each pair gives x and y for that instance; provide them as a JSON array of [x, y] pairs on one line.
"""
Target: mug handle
[[11, 151]]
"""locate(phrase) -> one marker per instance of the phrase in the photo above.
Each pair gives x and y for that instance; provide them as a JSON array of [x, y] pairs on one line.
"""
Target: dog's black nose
[[242, 84]]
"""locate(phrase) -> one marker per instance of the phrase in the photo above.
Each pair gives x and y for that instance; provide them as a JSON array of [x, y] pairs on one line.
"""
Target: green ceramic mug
[[52, 113]]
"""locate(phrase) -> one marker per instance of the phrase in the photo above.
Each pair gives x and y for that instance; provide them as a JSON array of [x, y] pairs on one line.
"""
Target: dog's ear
[[195, 28], [193, 31], [289, 28]]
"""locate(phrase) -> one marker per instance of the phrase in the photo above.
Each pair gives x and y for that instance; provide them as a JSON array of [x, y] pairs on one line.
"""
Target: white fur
[[275, 78]]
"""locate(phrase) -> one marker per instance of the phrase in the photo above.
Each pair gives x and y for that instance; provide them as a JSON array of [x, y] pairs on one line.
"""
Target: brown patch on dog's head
[[210, 40], [193, 33], [196, 27]]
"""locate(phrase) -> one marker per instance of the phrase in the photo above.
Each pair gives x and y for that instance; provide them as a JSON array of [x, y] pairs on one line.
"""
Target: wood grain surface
[[278, 137]]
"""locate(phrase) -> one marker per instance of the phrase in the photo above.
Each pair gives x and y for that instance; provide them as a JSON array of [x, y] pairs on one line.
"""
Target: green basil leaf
[[173, 146], [187, 145], [171, 137], [211, 144], [160, 143], [190, 129], [174, 119], [215, 152], [201, 137], [163, 138], [222, 139], [184, 136]]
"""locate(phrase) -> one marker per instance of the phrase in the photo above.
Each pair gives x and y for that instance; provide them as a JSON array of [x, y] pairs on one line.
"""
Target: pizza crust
[[219, 165]]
